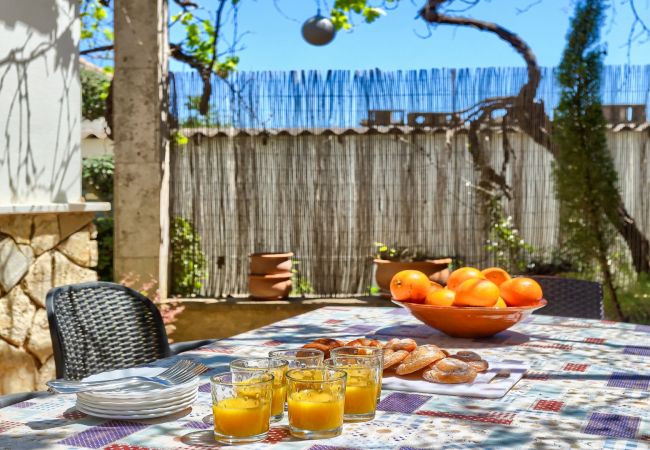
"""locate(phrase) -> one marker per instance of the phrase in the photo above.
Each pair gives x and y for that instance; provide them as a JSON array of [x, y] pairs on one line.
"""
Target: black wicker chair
[[103, 326], [569, 297]]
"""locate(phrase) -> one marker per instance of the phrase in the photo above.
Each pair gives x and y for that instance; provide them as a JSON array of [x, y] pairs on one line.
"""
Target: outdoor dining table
[[587, 386]]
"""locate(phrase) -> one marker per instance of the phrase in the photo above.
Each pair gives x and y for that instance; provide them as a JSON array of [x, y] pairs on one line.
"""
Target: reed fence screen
[[283, 162]]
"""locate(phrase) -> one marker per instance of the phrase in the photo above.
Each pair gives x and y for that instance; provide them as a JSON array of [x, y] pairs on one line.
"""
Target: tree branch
[[186, 4], [103, 48], [217, 28]]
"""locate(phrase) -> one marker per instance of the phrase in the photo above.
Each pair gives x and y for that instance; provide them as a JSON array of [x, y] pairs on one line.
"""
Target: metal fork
[[181, 372]]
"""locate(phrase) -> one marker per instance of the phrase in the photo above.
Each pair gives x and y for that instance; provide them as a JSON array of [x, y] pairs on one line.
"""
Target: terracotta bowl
[[469, 321]]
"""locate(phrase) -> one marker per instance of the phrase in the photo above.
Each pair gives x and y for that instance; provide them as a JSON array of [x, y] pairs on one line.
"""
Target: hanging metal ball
[[318, 30]]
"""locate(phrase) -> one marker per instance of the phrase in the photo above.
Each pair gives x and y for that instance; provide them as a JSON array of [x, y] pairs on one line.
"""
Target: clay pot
[[270, 263], [436, 269], [270, 287]]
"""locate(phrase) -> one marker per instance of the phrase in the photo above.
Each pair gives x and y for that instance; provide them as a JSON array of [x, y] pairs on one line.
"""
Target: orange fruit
[[440, 297], [496, 275], [462, 274], [521, 292], [500, 303], [476, 292], [410, 286], [434, 286]]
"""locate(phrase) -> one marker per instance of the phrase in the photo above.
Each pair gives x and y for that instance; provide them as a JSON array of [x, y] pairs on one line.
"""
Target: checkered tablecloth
[[588, 387]]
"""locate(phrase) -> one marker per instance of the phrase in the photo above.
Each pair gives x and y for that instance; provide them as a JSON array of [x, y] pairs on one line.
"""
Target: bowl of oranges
[[475, 303]]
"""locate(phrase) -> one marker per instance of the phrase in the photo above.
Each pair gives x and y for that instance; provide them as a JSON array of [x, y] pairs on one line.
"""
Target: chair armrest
[[179, 347], [11, 399]]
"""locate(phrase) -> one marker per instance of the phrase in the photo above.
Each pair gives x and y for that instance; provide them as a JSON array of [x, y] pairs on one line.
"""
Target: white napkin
[[486, 385]]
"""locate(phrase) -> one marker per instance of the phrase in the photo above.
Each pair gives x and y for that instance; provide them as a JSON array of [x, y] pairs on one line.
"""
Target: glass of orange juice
[[300, 357], [241, 405], [316, 399], [377, 352], [277, 367], [363, 383]]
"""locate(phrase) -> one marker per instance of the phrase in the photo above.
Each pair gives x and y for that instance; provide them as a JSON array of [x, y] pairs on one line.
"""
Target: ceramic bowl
[[469, 321]]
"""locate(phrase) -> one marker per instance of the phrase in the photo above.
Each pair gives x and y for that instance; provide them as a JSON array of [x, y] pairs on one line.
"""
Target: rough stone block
[[92, 229], [46, 233], [13, 264], [38, 280], [18, 226], [39, 342], [17, 371], [79, 247], [67, 272], [46, 373], [16, 315], [71, 222]]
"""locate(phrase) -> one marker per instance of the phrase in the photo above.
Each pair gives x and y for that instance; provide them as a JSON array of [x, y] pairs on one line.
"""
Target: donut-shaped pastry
[[473, 359], [401, 344], [419, 358], [324, 345], [392, 357], [364, 342], [450, 371]]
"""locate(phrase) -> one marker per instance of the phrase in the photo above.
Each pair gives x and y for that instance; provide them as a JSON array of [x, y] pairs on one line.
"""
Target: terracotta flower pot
[[270, 263], [270, 287], [436, 269]]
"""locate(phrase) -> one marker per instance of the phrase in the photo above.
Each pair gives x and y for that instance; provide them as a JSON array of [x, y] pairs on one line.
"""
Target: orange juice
[[360, 399], [278, 399], [241, 417], [315, 410]]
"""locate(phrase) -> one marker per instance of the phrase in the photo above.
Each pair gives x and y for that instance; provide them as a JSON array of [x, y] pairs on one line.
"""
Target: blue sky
[[394, 42]]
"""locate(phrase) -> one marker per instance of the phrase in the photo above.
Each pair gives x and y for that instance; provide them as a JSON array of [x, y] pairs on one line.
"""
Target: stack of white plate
[[144, 401]]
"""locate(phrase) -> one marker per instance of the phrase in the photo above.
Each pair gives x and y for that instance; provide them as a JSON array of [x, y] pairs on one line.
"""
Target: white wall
[[40, 102], [92, 147]]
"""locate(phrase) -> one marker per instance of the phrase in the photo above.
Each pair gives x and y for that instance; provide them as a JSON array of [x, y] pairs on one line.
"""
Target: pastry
[[450, 371], [324, 345], [392, 357], [364, 342], [401, 344], [473, 359], [419, 358]]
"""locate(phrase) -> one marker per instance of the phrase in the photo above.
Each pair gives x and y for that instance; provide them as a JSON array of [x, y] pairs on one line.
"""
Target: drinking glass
[[278, 368], [353, 351], [316, 399], [363, 383], [241, 404], [300, 357]]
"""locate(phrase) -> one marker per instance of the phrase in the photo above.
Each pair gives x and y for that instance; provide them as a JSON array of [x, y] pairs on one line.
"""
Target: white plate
[[139, 404], [141, 392], [134, 410], [486, 385], [131, 414]]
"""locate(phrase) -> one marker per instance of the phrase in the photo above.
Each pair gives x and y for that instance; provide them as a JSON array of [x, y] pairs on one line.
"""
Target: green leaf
[[372, 14], [99, 13], [340, 20], [180, 138], [186, 18], [108, 34]]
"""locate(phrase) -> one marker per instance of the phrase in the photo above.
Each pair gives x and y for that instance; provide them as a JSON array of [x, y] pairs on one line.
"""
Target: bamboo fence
[[283, 163]]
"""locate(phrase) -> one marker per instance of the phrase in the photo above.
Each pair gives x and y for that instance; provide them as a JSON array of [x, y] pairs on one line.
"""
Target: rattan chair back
[[103, 326], [568, 297]]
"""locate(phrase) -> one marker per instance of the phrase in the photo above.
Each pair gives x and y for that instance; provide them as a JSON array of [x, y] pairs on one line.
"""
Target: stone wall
[[37, 252]]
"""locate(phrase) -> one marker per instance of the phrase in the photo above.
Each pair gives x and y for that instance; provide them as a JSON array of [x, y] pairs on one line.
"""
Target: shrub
[[94, 91], [188, 263]]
